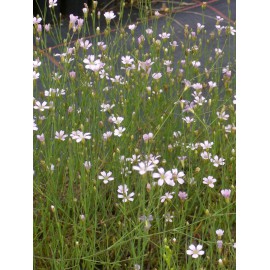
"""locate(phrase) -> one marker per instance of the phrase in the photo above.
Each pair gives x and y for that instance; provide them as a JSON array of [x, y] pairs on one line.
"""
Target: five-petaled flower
[[210, 180], [60, 135], [106, 177], [195, 252]]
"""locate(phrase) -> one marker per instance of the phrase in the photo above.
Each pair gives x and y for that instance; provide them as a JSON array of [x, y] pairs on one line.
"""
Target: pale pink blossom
[[157, 76], [178, 176], [60, 135], [210, 180], [52, 3], [41, 137]]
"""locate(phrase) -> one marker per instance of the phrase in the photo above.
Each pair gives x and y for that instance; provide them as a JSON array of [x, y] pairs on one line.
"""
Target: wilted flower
[[146, 221], [87, 165]]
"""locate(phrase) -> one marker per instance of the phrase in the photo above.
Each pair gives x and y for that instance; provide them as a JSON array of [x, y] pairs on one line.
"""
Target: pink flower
[[60, 135], [148, 137], [52, 3], [226, 193], [210, 180], [182, 195], [41, 138]]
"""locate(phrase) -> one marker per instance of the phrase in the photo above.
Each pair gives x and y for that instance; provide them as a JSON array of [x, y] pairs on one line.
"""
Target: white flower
[[109, 16], [132, 27], [35, 75], [85, 44], [52, 3], [156, 76], [122, 190], [206, 155], [80, 136], [117, 121], [196, 64], [200, 26], [212, 84], [60, 135], [36, 20], [210, 180], [149, 31], [41, 107], [118, 131], [87, 165], [36, 63], [164, 35], [222, 116], [144, 167], [106, 177], [164, 176], [217, 161], [195, 251], [168, 196], [188, 120], [168, 217], [178, 176], [219, 232], [106, 107], [127, 60], [107, 135], [206, 145], [34, 125], [197, 86]]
